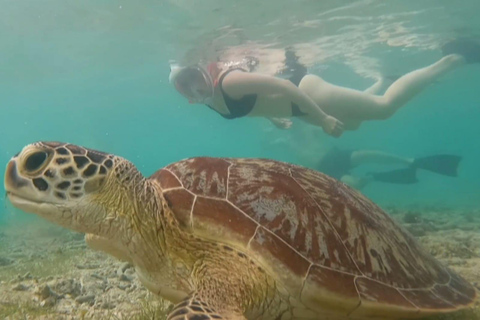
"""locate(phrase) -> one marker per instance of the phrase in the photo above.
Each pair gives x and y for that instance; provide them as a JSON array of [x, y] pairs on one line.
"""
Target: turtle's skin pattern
[[325, 243]]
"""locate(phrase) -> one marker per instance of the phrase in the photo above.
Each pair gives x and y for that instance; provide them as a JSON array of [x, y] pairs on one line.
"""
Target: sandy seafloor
[[48, 273]]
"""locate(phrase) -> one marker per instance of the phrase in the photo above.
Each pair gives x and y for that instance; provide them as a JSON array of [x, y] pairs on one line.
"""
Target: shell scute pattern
[[278, 203], [182, 201], [447, 293], [313, 233], [381, 249], [203, 176], [426, 298], [166, 179], [460, 285], [207, 214], [371, 290]]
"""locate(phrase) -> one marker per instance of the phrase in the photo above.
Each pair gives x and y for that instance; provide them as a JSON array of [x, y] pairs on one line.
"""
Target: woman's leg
[[406, 87], [344, 103], [377, 87], [360, 157]]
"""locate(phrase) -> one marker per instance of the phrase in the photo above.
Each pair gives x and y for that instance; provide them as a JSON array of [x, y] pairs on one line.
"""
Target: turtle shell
[[333, 249]]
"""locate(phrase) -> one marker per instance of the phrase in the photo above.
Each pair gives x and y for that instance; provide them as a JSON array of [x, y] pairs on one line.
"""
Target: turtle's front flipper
[[194, 308]]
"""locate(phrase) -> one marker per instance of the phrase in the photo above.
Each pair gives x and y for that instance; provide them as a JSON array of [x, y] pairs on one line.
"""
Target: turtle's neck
[[130, 209], [158, 247], [156, 228], [141, 219]]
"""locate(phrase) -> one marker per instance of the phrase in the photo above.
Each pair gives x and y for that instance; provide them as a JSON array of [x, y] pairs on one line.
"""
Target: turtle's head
[[66, 184]]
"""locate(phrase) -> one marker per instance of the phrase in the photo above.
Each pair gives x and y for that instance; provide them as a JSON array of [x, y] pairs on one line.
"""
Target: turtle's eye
[[35, 161]]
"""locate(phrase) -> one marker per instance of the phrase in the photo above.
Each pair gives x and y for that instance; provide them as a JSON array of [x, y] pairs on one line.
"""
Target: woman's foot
[[454, 59], [469, 49]]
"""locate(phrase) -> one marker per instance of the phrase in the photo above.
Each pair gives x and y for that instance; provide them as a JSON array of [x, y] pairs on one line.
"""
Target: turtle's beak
[[23, 195], [13, 181], [20, 190], [17, 187]]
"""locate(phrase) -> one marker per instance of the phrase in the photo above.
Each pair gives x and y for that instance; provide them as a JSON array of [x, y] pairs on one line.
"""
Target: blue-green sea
[[95, 73]]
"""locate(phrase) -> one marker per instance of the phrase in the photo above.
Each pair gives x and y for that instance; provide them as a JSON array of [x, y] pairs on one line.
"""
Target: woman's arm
[[237, 84]]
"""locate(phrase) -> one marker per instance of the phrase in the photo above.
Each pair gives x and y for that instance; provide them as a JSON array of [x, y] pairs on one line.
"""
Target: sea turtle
[[239, 238]]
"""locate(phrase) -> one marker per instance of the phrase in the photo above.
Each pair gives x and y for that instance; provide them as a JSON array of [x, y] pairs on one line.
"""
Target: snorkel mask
[[194, 83]]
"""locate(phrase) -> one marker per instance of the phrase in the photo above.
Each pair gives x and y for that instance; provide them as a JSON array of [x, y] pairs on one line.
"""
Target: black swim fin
[[469, 49], [398, 176], [444, 164]]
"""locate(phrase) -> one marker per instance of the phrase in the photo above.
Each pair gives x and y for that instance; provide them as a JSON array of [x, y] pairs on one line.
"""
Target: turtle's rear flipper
[[399, 176], [469, 49], [193, 308], [444, 164]]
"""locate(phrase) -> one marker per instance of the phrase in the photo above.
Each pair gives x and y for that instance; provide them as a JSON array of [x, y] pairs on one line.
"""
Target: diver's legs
[[360, 157], [356, 182]]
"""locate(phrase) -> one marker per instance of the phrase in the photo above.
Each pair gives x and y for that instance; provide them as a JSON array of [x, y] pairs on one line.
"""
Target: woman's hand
[[333, 126]]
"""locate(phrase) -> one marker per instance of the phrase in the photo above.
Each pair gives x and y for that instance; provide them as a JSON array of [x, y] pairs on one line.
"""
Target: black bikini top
[[238, 108]]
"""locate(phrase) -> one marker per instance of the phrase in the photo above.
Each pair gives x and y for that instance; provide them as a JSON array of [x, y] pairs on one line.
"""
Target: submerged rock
[[68, 286], [21, 287], [4, 261], [108, 305], [49, 302], [90, 298], [87, 266], [124, 277], [46, 292]]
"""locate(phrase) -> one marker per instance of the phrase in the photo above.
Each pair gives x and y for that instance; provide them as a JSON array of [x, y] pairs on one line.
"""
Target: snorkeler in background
[[339, 163], [236, 89]]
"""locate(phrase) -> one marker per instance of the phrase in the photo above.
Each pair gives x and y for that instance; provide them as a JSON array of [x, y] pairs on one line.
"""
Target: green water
[[96, 74]]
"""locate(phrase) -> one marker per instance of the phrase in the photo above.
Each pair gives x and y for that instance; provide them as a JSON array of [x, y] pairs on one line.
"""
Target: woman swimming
[[236, 90]]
